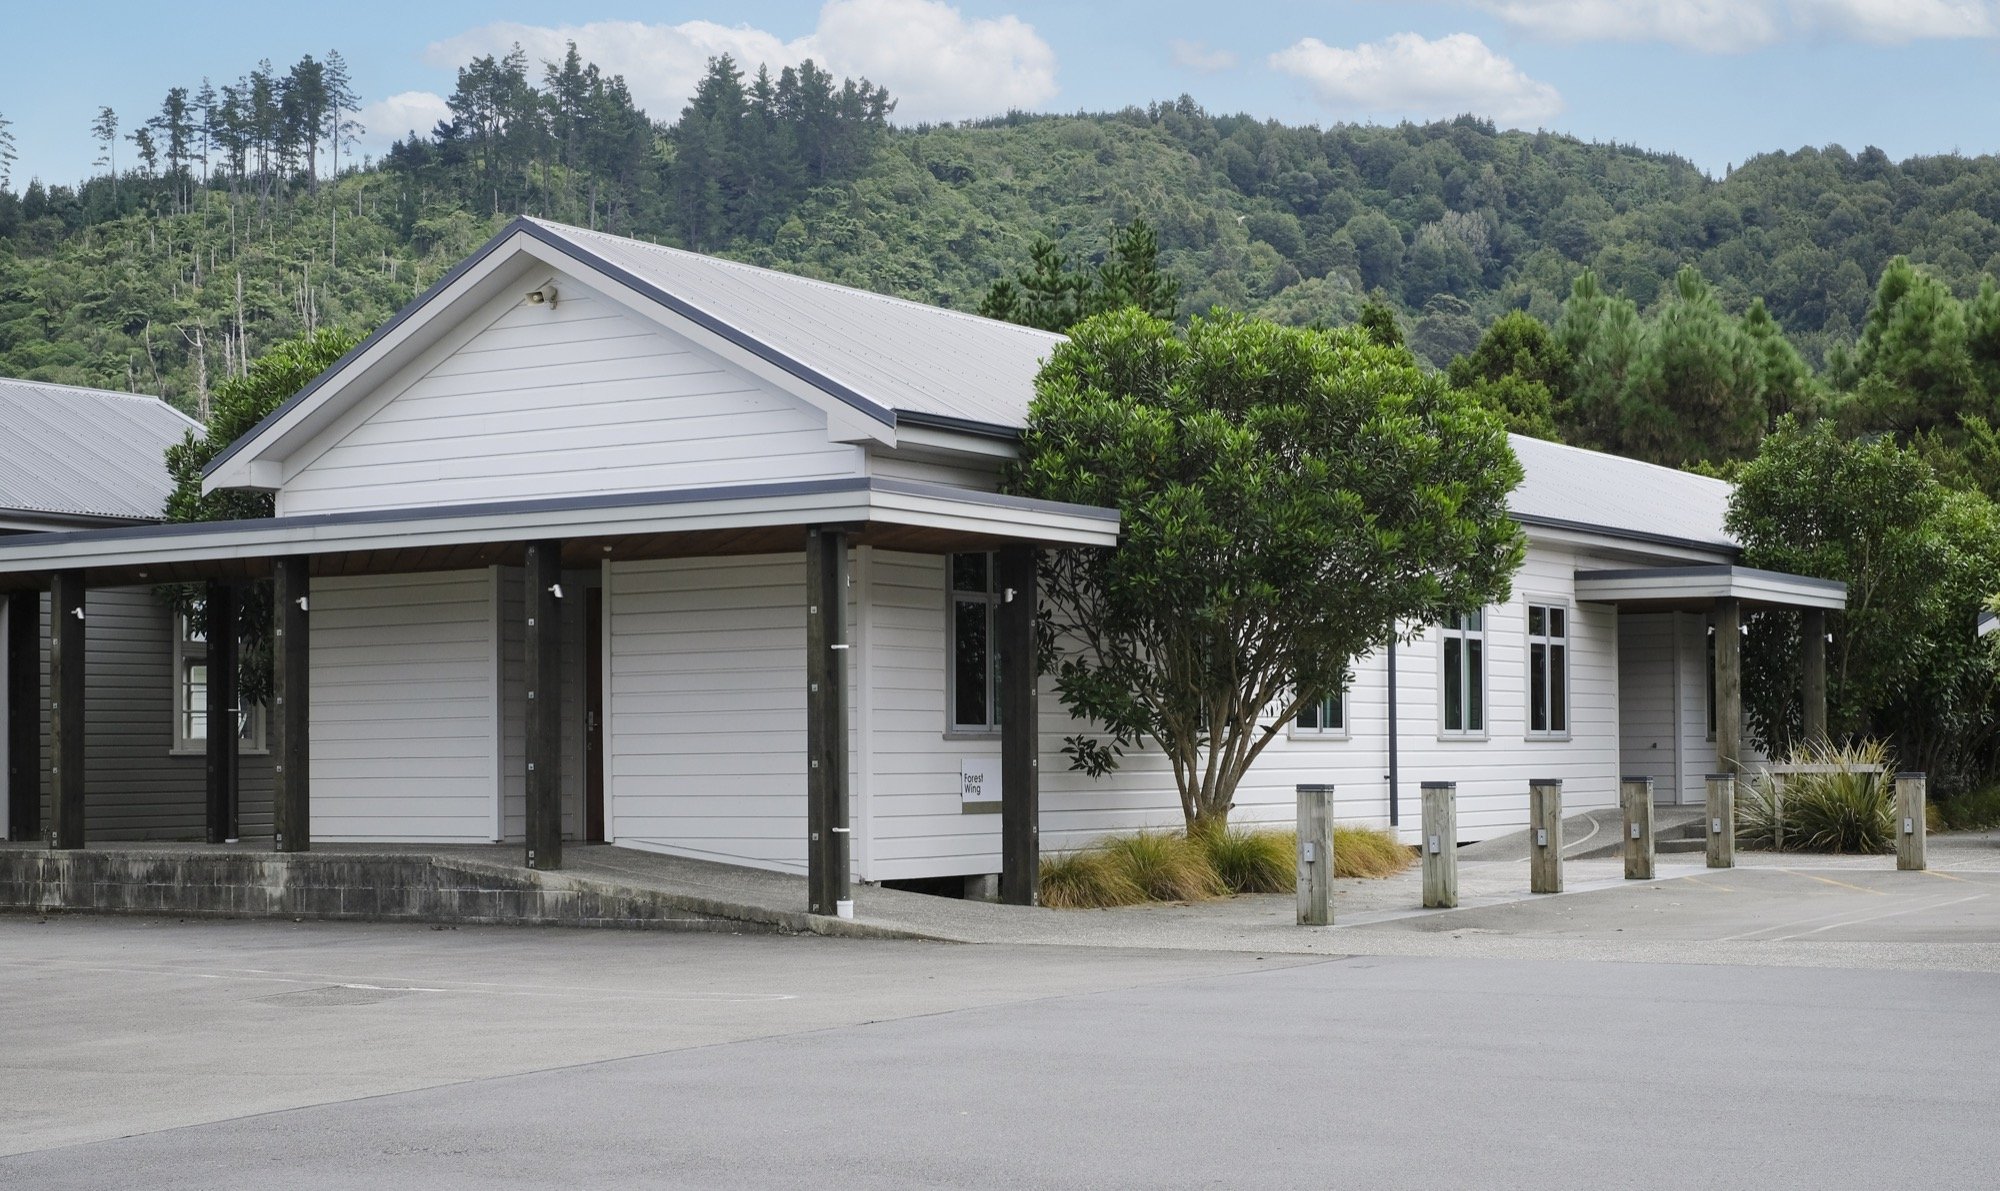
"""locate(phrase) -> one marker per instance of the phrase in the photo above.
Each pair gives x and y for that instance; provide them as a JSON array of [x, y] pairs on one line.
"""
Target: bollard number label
[[1909, 826], [1541, 837], [1434, 845], [1715, 827], [1635, 831], [1309, 851]]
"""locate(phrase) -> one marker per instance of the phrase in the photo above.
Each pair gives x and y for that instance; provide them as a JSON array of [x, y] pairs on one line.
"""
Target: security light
[[545, 296]]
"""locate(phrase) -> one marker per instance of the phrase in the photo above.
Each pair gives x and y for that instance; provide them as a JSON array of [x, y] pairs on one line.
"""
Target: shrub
[[1369, 852], [1975, 810], [1086, 880], [1851, 809], [1248, 861], [1167, 865]]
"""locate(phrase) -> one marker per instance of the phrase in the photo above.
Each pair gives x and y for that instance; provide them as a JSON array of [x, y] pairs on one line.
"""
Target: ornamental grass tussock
[[1165, 866]]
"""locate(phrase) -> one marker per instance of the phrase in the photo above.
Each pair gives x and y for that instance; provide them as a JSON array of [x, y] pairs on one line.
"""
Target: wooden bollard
[[1910, 833], [1722, 820], [1635, 794], [1545, 835], [1315, 855], [1440, 845]]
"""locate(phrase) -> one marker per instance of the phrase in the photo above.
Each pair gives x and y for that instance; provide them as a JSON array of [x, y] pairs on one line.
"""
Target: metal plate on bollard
[[1434, 845], [1541, 837]]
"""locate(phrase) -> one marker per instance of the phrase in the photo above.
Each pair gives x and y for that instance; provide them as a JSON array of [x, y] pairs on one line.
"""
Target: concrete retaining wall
[[386, 888]]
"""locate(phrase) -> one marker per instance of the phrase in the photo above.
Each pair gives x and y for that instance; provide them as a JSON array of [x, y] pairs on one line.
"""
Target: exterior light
[[545, 296]]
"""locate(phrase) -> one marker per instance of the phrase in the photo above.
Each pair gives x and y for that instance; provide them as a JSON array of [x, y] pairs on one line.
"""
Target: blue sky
[[1714, 80]]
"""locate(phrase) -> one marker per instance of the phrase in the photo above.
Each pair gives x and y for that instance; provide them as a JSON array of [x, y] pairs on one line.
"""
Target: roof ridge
[[857, 291]]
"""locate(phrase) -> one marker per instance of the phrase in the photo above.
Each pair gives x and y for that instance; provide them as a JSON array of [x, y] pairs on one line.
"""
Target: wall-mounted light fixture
[[545, 296]]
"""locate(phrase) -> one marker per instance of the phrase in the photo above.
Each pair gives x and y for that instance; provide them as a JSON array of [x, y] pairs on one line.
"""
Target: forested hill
[[225, 228]]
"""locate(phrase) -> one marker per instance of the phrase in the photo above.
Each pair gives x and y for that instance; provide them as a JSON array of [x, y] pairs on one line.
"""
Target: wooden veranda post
[[826, 723], [24, 715], [543, 666], [291, 705], [1722, 820], [66, 706], [1729, 683], [1440, 846], [1020, 773], [1635, 795], [1545, 831], [219, 612], [1812, 632], [1911, 835]]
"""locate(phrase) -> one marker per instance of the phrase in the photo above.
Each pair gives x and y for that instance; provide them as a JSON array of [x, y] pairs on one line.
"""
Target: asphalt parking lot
[[1767, 1027]]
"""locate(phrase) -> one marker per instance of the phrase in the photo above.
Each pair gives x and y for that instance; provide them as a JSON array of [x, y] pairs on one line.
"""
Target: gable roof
[[937, 364], [886, 360], [85, 453], [1572, 488]]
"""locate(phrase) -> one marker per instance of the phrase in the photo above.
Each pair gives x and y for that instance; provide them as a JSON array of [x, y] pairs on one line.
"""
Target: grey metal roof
[[1595, 492], [71, 452], [910, 357]]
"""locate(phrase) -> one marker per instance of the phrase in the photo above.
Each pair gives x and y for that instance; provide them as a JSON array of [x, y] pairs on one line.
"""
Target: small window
[[191, 696], [975, 679], [1548, 670], [1327, 717], [1464, 653]]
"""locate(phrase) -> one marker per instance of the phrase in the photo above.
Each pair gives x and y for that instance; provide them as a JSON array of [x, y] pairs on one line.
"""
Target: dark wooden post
[[24, 715], [826, 723], [1020, 730], [1729, 684], [544, 715], [1812, 630], [66, 704], [219, 611], [291, 705]]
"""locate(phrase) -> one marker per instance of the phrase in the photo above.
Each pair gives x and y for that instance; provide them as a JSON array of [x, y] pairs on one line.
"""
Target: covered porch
[[534, 547], [1680, 664]]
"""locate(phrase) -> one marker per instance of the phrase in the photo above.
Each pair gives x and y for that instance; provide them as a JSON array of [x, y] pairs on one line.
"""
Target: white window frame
[[191, 649], [1550, 642], [1335, 702], [953, 597], [1463, 629]]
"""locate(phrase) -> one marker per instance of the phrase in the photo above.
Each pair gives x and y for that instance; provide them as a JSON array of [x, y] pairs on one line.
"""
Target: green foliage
[[1851, 809], [1515, 371], [1918, 560], [1378, 321], [1289, 499], [239, 405], [1971, 810], [1049, 294]]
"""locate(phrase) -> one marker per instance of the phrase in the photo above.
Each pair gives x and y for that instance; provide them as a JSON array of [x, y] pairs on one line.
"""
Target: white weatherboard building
[[604, 541]]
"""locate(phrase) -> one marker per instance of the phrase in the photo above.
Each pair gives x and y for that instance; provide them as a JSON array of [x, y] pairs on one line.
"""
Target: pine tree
[[7, 157]]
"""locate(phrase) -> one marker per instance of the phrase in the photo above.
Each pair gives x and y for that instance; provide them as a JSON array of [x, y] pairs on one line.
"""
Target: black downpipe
[[1395, 810]]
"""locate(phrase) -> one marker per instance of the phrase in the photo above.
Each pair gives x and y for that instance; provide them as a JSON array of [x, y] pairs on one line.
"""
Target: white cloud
[[1406, 74], [1198, 57], [390, 120], [937, 63], [1737, 26]]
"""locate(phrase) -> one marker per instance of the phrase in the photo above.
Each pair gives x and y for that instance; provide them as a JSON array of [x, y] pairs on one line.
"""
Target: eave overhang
[[1696, 588], [698, 522]]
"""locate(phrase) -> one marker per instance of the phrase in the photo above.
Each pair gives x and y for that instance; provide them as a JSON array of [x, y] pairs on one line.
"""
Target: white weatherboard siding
[[583, 398], [405, 708], [707, 751], [918, 828]]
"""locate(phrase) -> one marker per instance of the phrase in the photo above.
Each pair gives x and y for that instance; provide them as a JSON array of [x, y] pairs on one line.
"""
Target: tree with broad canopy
[[1292, 500]]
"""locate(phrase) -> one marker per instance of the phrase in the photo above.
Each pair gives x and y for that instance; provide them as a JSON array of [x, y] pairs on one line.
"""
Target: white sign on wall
[[979, 781]]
